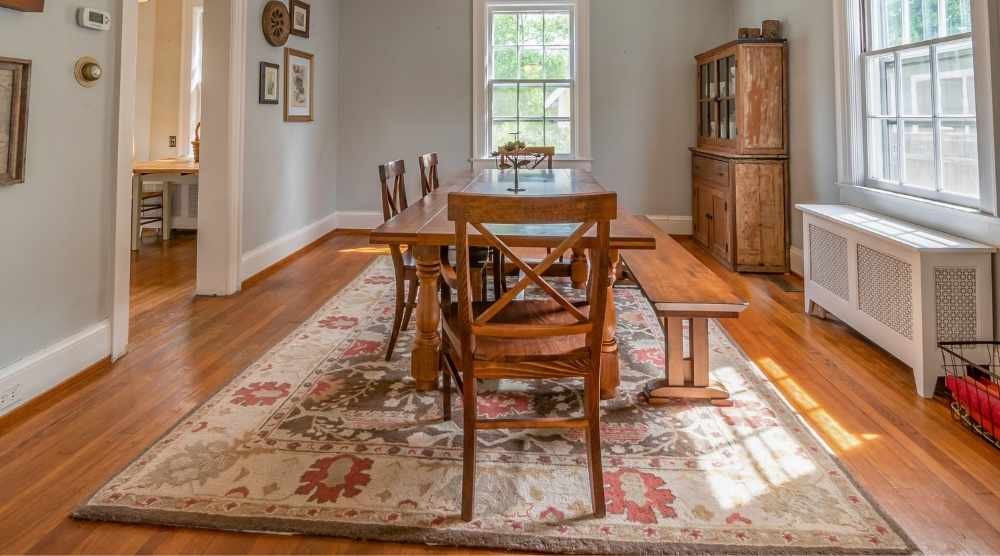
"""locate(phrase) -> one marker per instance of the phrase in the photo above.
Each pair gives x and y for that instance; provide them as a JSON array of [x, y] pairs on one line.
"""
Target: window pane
[[532, 133], [882, 85], [531, 101], [558, 101], [559, 135], [960, 162], [916, 86], [557, 28], [505, 63], [531, 62], [505, 101], [900, 22], [918, 140], [505, 29], [532, 25], [501, 134], [883, 150], [556, 63], [958, 16], [956, 80]]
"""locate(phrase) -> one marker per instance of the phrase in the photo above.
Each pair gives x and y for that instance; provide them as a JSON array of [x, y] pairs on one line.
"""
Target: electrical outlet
[[173, 140], [8, 396]]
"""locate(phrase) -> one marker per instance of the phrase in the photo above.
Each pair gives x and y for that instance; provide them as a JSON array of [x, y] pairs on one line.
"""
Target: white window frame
[[579, 64], [852, 111]]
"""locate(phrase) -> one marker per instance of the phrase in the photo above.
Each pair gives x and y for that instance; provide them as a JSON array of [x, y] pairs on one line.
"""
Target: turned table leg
[[609, 348], [578, 271], [425, 362]]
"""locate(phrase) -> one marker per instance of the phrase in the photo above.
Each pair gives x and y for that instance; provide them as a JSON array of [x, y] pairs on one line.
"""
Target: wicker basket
[[196, 144]]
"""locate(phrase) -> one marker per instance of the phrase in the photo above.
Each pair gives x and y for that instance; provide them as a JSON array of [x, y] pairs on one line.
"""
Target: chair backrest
[[391, 177], [546, 155], [428, 173], [589, 210]]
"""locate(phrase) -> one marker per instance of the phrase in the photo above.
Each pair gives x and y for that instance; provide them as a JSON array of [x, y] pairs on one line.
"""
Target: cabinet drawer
[[711, 170]]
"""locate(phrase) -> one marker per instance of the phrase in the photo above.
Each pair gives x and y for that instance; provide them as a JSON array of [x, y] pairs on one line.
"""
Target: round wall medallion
[[87, 71], [276, 23]]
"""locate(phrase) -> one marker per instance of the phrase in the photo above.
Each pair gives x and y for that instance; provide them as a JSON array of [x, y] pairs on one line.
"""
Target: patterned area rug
[[321, 436]]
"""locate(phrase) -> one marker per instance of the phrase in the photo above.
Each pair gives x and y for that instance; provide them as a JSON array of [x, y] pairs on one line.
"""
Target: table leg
[[425, 362], [578, 270], [167, 212], [136, 206], [609, 348]]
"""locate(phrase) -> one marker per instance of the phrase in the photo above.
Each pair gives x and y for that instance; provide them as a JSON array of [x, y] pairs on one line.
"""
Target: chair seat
[[520, 350]]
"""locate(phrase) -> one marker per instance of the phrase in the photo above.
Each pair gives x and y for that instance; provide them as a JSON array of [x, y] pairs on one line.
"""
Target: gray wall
[[808, 26], [643, 95], [406, 88], [56, 228], [290, 168]]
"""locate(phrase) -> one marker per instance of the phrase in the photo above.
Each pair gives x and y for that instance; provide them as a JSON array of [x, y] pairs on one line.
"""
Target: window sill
[[479, 164]]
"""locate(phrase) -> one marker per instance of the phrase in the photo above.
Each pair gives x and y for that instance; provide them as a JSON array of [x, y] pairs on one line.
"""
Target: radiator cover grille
[[955, 304], [885, 290], [828, 261]]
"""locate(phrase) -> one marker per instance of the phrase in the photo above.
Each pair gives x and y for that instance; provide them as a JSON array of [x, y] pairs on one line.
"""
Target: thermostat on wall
[[93, 19]]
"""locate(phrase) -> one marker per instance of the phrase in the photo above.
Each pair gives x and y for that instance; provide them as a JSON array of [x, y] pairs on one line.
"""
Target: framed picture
[[300, 18], [270, 83], [300, 74], [15, 76]]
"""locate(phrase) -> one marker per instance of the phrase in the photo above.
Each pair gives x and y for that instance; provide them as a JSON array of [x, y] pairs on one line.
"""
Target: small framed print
[[270, 83], [300, 12], [300, 75]]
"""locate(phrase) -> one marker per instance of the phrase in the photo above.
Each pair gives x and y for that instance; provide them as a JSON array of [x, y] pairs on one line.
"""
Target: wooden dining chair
[[550, 338], [392, 179], [481, 256]]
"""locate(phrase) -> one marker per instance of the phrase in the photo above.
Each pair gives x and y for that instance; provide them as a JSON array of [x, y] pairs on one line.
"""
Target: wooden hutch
[[740, 166]]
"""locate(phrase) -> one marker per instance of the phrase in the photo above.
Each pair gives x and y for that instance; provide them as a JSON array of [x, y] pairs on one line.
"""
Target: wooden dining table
[[424, 227], [170, 171]]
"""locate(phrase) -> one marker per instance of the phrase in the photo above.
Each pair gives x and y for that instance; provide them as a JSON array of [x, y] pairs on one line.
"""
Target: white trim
[[279, 249], [184, 98], [581, 65], [678, 225], [480, 164], [122, 241], [796, 261], [986, 61], [47, 368]]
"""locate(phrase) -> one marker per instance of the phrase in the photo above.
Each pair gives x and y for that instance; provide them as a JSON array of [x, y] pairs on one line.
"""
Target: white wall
[[165, 102], [144, 72], [290, 168], [807, 24], [56, 228], [406, 89]]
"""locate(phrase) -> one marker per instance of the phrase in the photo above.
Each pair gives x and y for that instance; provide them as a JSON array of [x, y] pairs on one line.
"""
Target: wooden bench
[[681, 288]]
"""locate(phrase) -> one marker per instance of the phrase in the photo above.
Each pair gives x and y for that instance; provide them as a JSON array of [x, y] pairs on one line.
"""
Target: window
[[531, 75], [920, 101]]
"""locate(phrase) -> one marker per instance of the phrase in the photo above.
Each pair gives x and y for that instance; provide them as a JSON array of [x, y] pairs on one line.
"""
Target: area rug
[[322, 436]]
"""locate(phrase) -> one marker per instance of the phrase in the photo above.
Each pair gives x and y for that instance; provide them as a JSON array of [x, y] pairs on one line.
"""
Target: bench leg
[[686, 377]]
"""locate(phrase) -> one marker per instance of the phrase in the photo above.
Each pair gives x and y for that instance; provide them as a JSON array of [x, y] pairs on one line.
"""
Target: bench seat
[[682, 289]]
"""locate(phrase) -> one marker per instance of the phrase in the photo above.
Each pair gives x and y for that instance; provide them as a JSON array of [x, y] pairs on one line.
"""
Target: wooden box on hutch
[[740, 166]]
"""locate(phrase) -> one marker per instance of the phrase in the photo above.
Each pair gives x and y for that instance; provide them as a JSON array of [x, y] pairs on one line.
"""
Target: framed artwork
[[270, 83], [15, 76], [300, 18], [300, 74]]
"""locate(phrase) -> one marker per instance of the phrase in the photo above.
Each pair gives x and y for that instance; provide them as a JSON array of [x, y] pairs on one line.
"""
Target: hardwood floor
[[937, 480]]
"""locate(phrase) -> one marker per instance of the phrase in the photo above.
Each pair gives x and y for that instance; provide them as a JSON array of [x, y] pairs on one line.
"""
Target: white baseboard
[[796, 262], [674, 225], [46, 369], [358, 219], [277, 250]]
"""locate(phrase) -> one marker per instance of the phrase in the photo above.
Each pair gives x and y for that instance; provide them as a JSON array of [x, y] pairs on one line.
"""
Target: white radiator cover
[[903, 286]]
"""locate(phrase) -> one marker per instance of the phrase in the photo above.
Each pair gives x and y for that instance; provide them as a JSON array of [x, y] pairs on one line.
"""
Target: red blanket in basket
[[980, 399]]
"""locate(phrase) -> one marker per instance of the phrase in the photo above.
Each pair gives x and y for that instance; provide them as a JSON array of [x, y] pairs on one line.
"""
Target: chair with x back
[[391, 177], [429, 182], [542, 336]]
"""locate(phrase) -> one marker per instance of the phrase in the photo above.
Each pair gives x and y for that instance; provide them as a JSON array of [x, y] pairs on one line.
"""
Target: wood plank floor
[[938, 481]]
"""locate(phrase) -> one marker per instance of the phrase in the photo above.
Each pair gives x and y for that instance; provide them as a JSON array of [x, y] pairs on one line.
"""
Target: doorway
[[199, 202]]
